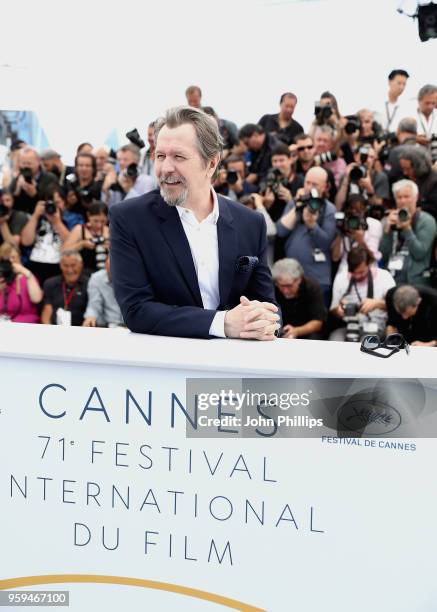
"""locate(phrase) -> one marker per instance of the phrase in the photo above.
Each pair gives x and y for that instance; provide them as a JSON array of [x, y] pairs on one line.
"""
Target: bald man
[[308, 227]]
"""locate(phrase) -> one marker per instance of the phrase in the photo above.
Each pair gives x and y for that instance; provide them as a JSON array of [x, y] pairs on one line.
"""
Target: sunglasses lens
[[371, 342], [394, 341]]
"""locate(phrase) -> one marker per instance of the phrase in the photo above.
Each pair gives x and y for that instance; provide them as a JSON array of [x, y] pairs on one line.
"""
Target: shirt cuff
[[218, 325]]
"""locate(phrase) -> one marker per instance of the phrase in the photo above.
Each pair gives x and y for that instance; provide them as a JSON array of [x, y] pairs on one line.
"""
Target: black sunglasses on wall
[[393, 343]]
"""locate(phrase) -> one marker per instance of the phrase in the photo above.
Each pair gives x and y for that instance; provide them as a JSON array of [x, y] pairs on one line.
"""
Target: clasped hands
[[253, 320]]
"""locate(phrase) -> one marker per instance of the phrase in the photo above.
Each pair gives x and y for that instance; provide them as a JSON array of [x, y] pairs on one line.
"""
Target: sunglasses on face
[[308, 148], [393, 343]]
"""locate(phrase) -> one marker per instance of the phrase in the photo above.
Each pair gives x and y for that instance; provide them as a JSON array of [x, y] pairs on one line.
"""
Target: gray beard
[[174, 200]]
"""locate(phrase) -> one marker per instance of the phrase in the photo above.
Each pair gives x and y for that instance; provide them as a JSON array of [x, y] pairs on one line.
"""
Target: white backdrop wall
[[89, 67]]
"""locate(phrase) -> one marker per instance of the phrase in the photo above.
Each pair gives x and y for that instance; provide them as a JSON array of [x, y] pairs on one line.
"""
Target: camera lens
[[403, 215]]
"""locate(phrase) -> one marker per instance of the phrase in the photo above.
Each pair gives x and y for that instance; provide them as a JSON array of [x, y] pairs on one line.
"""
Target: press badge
[[319, 256], [395, 263], [63, 317]]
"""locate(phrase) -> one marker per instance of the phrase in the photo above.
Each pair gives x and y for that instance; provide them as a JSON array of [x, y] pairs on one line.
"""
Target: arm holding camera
[[35, 291], [420, 239], [288, 220], [259, 206], [28, 233], [76, 242], [55, 221], [6, 233]]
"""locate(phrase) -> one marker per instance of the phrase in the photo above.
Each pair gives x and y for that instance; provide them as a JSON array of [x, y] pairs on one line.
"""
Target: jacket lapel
[[177, 241], [228, 250]]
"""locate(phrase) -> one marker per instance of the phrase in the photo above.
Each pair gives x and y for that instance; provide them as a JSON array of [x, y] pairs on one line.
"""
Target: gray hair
[[408, 124], [418, 156], [132, 149], [325, 129], [426, 90], [288, 268], [404, 297], [71, 253], [403, 184], [209, 141]]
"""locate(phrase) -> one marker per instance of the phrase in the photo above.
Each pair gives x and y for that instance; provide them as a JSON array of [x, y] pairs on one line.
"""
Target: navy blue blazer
[[153, 273]]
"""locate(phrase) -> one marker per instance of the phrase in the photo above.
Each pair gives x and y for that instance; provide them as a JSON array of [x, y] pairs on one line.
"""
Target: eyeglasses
[[393, 343], [308, 147]]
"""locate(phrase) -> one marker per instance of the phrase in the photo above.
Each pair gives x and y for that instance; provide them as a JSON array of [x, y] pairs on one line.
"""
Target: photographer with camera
[[355, 228], [326, 154], [358, 298], [12, 221], [371, 131], [92, 238], [300, 300], [306, 159], [412, 312], [130, 182], [427, 118], [326, 113], [408, 235], [51, 162], [415, 163], [259, 148], [362, 178], [82, 186], [31, 184], [282, 125], [19, 289], [45, 232], [308, 226], [231, 179], [282, 182], [389, 156]]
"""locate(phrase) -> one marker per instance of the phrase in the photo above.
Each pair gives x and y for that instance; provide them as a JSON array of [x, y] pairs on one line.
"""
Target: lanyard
[[427, 130], [390, 117], [69, 297]]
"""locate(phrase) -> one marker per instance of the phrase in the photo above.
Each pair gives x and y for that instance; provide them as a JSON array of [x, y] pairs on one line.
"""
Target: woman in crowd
[[92, 239], [19, 289]]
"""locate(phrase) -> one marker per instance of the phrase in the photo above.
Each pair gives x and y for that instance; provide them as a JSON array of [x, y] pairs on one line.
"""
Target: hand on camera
[[310, 219]]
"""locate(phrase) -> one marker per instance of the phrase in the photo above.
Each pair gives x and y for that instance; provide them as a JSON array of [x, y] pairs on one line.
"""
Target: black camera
[[50, 207], [135, 138], [6, 271], [274, 180], [350, 222], [357, 173], [232, 177], [85, 195], [353, 124], [27, 174], [324, 158], [132, 171], [376, 211], [353, 327], [4, 210], [322, 113], [312, 200], [403, 215]]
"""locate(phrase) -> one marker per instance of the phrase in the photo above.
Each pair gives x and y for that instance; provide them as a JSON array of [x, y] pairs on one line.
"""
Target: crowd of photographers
[[350, 206]]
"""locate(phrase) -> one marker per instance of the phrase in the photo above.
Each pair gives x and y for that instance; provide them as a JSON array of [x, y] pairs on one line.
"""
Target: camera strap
[[390, 117], [353, 285]]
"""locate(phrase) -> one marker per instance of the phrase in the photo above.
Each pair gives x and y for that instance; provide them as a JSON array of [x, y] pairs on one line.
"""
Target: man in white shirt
[[427, 115], [393, 109], [186, 262], [364, 286]]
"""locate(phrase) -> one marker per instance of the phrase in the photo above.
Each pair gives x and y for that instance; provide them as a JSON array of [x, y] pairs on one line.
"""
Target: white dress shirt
[[427, 127], [203, 241]]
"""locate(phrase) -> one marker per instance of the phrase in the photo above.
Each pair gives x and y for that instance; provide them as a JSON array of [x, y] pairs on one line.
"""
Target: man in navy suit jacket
[[184, 261]]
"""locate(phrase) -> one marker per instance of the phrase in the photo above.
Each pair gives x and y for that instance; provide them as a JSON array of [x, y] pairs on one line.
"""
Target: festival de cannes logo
[[372, 418]]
